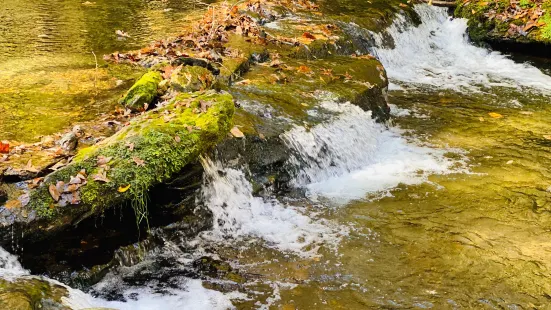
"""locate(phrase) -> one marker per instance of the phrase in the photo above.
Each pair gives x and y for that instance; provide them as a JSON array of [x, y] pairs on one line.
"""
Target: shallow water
[[447, 208], [48, 75]]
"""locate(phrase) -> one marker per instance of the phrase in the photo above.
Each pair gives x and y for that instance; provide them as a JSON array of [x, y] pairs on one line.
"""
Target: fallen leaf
[[12, 204], [236, 132], [495, 115], [308, 35], [30, 168], [54, 192], [177, 139], [101, 177], [123, 189], [4, 147], [130, 146], [139, 162], [102, 160], [547, 137], [58, 165], [510, 162], [304, 69]]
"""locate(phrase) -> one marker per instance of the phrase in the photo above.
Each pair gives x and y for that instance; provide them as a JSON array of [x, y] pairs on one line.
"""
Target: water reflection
[[48, 75]]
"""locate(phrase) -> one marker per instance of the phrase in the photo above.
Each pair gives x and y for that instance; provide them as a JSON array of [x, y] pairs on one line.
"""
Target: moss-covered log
[[149, 151], [142, 94]]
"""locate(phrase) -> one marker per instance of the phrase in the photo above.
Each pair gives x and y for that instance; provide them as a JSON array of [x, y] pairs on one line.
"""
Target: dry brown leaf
[[139, 162], [237, 133], [102, 160], [54, 192], [101, 177]]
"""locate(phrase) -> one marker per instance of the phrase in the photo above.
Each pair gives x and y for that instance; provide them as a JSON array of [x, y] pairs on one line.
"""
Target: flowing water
[[447, 208]]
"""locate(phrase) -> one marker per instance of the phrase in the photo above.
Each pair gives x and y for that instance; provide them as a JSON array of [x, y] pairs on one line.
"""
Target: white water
[[352, 155], [438, 53], [239, 215]]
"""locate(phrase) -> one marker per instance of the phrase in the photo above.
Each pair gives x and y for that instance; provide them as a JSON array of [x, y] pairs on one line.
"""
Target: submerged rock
[[144, 91], [192, 78]]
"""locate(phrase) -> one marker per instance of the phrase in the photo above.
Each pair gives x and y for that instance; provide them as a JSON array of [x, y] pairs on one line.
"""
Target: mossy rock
[[484, 28], [143, 92], [192, 78], [29, 293], [149, 151]]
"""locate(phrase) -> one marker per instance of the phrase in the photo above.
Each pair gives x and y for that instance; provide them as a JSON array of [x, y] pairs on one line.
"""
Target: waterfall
[[438, 53], [352, 155]]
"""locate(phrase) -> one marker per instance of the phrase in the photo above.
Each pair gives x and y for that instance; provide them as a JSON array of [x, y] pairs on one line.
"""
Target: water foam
[[438, 53], [352, 155], [190, 295], [239, 215]]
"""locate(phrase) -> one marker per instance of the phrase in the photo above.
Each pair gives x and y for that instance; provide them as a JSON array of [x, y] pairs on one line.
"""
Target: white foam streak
[[352, 155], [438, 53], [193, 296], [239, 215]]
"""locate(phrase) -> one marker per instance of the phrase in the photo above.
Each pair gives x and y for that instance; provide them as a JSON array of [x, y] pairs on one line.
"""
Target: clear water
[[48, 75]]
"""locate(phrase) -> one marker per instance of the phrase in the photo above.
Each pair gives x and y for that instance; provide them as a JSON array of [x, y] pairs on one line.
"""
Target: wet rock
[[217, 269], [192, 78], [69, 141], [509, 27], [142, 94], [28, 293]]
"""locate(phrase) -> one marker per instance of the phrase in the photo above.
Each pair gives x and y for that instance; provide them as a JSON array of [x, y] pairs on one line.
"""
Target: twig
[[96, 73]]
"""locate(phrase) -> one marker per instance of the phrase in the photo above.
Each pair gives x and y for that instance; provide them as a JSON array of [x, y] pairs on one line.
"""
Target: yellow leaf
[[495, 115], [124, 189]]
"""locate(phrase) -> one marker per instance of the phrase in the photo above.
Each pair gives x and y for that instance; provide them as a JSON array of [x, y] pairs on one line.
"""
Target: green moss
[[143, 92], [483, 28], [166, 139], [30, 293]]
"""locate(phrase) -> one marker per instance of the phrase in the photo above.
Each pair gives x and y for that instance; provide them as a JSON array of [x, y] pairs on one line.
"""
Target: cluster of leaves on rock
[[519, 16]]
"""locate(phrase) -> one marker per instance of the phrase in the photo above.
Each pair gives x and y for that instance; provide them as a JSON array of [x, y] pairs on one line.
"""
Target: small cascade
[[437, 53], [352, 155], [238, 215]]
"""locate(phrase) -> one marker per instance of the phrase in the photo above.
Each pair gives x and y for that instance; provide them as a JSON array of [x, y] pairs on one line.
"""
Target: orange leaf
[[304, 69], [308, 35], [495, 115], [12, 204], [4, 147]]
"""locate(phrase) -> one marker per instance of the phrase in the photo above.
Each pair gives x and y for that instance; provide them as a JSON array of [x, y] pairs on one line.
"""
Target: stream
[[447, 207]]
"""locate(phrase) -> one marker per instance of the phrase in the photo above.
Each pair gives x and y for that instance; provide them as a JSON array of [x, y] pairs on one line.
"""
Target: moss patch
[[150, 150], [143, 92]]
